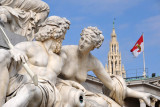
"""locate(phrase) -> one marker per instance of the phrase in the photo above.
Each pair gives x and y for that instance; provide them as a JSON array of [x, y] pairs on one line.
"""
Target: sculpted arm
[[140, 95], [19, 52], [115, 84], [119, 90], [101, 73]]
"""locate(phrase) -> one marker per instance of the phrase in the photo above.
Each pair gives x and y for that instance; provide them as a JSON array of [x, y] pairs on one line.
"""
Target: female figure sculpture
[[78, 61]]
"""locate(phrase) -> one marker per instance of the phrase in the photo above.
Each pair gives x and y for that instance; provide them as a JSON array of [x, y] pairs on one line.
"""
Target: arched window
[[112, 66], [115, 48], [116, 63], [117, 73]]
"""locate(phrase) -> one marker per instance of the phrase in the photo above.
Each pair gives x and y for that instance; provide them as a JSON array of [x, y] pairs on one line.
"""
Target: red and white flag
[[138, 47]]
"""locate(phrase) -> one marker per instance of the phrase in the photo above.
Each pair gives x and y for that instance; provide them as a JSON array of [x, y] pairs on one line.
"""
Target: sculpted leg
[[4, 80], [23, 97], [4, 74], [37, 98]]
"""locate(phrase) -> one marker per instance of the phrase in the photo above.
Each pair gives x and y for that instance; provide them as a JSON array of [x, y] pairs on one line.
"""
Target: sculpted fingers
[[15, 58], [147, 99], [26, 58], [18, 55], [22, 58], [18, 58]]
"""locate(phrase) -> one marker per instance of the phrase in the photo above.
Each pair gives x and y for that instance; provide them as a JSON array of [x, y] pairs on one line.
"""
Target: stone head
[[91, 38], [54, 27]]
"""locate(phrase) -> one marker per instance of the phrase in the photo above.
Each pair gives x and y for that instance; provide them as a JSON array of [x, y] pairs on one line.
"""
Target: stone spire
[[113, 35], [123, 72], [114, 56]]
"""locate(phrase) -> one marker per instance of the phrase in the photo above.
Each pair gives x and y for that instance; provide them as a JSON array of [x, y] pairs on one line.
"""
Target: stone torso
[[41, 62], [76, 66]]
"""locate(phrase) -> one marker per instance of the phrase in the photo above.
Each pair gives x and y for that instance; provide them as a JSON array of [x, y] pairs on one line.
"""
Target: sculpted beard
[[58, 35], [56, 46]]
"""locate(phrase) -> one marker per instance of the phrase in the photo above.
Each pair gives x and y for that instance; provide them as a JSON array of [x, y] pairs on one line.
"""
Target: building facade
[[150, 85]]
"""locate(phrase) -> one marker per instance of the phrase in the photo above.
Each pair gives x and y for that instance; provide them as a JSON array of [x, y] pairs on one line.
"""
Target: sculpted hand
[[18, 55], [147, 98], [77, 85]]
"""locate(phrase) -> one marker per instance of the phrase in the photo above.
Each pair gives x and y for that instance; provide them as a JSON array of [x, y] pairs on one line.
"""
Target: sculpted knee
[[30, 87], [28, 90]]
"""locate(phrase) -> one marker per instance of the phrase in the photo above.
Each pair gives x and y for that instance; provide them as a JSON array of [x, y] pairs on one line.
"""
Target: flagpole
[[144, 72]]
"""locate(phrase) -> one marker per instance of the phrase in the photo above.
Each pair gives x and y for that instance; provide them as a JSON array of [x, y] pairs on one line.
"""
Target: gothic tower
[[114, 57]]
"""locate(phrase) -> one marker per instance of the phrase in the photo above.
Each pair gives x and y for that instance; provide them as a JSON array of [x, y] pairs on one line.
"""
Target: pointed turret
[[113, 34], [123, 72], [114, 56]]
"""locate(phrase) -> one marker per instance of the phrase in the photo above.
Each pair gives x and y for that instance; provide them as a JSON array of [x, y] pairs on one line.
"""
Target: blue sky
[[132, 18]]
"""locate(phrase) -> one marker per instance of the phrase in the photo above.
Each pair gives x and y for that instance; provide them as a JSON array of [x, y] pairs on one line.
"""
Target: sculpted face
[[59, 35], [86, 43], [91, 38]]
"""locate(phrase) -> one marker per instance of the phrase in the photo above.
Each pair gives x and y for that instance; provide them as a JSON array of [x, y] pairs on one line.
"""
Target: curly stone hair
[[53, 27], [94, 34]]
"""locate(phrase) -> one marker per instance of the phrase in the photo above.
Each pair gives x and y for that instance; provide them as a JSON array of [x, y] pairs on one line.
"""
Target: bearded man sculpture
[[78, 61], [42, 59]]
